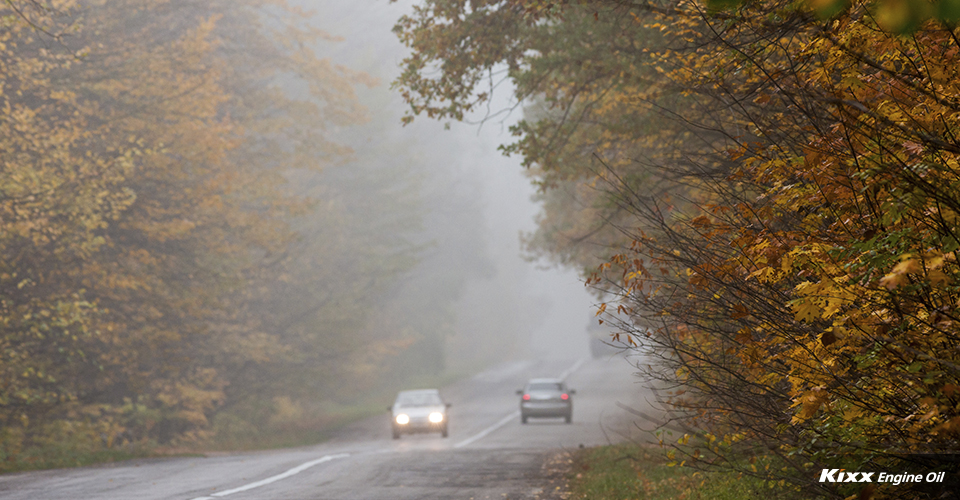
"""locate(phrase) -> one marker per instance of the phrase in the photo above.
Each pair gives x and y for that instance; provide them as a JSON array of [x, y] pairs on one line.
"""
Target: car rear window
[[545, 386], [419, 399]]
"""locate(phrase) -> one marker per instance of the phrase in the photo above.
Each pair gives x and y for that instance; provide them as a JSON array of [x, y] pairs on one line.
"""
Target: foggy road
[[488, 454]]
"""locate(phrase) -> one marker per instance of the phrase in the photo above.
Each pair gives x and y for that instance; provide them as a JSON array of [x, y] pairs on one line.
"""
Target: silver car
[[546, 397], [419, 411]]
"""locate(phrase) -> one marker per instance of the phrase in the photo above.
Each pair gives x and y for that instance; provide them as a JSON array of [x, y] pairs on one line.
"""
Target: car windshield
[[545, 386], [419, 399]]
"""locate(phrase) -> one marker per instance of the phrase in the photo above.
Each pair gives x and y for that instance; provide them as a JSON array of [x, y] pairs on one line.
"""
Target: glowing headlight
[[436, 417], [403, 419]]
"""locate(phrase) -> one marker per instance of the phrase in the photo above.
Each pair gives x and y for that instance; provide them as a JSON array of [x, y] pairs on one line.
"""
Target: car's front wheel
[[396, 433], [443, 432]]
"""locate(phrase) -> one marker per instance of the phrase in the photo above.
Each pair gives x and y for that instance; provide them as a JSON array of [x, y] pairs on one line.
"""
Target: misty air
[[479, 249]]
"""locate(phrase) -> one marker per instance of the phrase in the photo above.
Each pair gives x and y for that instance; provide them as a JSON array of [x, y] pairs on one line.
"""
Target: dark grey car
[[546, 397]]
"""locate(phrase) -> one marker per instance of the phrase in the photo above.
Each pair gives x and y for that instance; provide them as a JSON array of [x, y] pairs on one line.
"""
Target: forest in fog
[[768, 192], [214, 232], [237, 223]]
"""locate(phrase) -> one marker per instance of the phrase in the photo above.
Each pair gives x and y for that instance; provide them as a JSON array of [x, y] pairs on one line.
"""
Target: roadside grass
[[67, 454], [637, 472], [290, 427]]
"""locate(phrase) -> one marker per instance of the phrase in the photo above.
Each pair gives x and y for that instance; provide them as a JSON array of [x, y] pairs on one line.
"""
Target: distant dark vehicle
[[600, 347], [601, 340], [417, 411], [546, 397], [602, 335]]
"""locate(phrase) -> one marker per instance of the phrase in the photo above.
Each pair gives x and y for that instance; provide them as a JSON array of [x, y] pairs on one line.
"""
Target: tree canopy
[[161, 277], [768, 189]]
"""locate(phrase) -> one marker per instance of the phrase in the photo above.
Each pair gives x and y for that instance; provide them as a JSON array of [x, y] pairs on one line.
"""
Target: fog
[[476, 205], [215, 212]]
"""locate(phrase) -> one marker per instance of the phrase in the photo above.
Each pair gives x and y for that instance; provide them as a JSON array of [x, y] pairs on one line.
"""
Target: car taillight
[[526, 397], [564, 397]]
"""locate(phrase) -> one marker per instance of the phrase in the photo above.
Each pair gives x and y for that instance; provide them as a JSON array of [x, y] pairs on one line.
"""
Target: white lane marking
[[488, 430], [508, 418], [272, 479], [566, 373]]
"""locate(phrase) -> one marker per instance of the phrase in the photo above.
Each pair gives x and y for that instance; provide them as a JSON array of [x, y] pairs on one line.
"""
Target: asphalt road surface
[[489, 454]]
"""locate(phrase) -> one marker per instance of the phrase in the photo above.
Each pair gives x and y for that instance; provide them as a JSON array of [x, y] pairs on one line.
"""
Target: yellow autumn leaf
[[805, 310], [907, 266], [893, 280]]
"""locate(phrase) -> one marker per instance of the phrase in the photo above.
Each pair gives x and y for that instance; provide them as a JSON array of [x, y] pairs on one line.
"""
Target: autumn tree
[[777, 191], [149, 258]]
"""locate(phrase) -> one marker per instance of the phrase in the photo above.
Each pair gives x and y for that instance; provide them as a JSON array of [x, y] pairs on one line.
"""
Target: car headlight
[[436, 417], [403, 419]]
